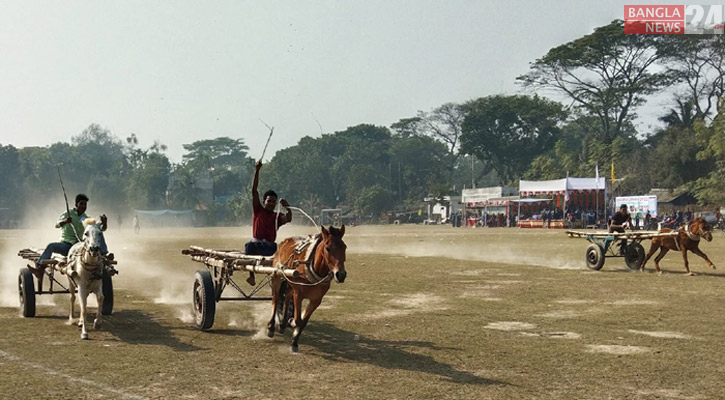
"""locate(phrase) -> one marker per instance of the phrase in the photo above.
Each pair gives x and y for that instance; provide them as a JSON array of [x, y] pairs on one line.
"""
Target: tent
[[585, 192]]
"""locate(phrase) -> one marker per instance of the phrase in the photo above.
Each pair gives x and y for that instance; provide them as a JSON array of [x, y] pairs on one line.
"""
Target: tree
[[698, 63], [10, 179], [444, 124], [373, 200], [711, 188], [148, 183], [417, 164], [607, 74], [507, 132], [226, 160]]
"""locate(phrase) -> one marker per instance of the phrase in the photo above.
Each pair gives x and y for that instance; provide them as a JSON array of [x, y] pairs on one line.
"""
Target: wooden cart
[[627, 245], [209, 284], [30, 275]]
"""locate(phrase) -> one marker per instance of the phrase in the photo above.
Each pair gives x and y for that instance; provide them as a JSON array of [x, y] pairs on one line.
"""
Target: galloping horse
[[85, 272], [688, 238], [318, 261]]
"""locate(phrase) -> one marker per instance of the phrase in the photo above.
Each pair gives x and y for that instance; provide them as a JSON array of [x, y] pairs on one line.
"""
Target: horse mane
[[89, 221]]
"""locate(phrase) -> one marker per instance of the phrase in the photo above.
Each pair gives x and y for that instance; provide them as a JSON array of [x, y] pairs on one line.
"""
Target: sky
[[181, 71]]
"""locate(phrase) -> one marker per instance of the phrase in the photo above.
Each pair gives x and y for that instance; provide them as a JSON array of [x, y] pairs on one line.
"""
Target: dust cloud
[[150, 263], [494, 245]]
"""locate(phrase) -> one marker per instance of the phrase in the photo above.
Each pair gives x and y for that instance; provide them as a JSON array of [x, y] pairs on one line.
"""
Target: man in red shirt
[[265, 222]]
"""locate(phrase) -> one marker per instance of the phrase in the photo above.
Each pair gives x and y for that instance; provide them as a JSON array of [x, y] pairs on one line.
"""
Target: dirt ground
[[426, 312]]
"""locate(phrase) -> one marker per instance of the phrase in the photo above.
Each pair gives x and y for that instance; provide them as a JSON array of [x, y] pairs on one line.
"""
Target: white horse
[[85, 272]]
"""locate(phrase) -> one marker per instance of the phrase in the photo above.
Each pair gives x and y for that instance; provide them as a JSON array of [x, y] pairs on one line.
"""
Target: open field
[[427, 312]]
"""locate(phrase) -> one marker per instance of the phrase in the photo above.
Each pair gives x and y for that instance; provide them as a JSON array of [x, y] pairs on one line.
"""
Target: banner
[[638, 205]]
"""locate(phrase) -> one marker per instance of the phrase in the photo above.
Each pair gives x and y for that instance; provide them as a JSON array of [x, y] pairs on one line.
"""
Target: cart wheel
[[204, 300], [107, 308], [634, 256], [26, 290], [595, 257]]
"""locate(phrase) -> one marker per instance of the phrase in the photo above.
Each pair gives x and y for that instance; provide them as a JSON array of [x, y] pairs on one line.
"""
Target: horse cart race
[[628, 245], [606, 245], [303, 268], [87, 269]]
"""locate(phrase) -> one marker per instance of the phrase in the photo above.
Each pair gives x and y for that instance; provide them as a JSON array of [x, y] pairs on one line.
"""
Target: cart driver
[[71, 225], [619, 221], [265, 222]]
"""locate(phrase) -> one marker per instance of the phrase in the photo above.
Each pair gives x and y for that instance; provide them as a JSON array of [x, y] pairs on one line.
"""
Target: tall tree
[[698, 64], [607, 74], [711, 188], [507, 132]]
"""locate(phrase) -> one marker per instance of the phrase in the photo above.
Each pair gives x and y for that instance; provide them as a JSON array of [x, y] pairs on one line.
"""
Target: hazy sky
[[179, 71]]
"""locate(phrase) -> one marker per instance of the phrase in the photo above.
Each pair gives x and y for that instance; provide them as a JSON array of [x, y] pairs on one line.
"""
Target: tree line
[[578, 110]]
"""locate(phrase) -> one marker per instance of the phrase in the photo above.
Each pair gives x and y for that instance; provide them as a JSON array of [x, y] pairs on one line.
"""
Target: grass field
[[427, 312]]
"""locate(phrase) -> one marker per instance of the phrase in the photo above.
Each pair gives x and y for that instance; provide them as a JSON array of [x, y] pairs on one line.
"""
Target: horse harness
[[309, 248], [695, 237], [95, 270]]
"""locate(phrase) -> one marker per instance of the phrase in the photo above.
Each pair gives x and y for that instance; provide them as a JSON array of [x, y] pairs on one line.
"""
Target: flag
[[596, 174], [613, 179]]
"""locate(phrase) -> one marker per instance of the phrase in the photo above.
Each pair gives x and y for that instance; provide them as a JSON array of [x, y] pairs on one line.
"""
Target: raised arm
[[255, 184]]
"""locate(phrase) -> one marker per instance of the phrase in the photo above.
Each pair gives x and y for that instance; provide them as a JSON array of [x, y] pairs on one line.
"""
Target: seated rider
[[618, 222], [71, 231], [265, 222]]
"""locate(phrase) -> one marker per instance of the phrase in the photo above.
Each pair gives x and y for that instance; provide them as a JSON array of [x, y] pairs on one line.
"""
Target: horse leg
[[659, 257], [83, 297], [699, 252], [311, 307], [285, 298], [275, 297], [687, 263], [652, 250], [72, 290], [99, 299], [297, 320]]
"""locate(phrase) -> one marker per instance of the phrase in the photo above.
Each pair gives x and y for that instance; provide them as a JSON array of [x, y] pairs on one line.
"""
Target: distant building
[[667, 199]]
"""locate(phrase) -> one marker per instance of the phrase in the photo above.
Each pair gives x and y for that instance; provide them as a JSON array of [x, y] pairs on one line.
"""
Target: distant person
[[618, 222], [136, 225], [119, 220], [71, 225], [265, 222]]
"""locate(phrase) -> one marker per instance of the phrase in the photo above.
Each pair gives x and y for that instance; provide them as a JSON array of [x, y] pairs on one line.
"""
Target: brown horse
[[688, 238], [318, 260]]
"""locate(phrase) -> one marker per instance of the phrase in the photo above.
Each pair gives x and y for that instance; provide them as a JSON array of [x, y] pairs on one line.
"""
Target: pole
[[271, 131], [67, 207]]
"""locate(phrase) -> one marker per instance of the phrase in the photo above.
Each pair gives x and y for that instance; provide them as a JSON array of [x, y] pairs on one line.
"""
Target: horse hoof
[[84, 336], [713, 267], [96, 325], [295, 349], [270, 333]]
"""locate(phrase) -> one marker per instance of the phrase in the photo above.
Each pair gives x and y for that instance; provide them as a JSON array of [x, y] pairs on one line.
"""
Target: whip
[[271, 131], [67, 208]]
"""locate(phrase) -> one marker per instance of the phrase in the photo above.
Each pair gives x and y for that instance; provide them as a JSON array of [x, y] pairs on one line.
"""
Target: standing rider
[[265, 222], [71, 225]]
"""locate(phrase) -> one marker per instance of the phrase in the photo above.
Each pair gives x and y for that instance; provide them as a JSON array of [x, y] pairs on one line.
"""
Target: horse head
[[333, 251], [700, 227], [93, 238]]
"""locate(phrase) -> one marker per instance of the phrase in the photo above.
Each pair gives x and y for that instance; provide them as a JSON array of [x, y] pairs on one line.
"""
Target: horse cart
[[57, 265], [626, 245], [209, 284]]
